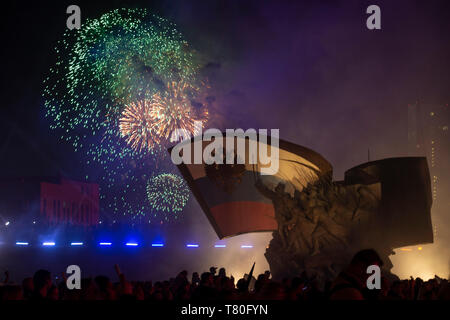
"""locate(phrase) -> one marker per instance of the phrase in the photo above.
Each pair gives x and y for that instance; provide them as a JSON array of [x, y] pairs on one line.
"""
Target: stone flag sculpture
[[227, 192], [317, 223]]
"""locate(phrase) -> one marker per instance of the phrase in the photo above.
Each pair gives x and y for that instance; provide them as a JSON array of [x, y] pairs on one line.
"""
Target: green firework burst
[[120, 57], [167, 193]]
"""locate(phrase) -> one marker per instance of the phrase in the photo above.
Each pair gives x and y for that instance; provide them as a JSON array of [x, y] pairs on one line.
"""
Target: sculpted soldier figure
[[319, 221]]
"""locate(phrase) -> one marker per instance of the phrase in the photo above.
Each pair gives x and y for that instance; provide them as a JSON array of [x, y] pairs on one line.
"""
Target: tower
[[428, 136]]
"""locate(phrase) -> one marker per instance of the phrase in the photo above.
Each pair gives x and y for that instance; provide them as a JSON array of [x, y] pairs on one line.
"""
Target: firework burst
[[167, 193], [137, 126], [173, 109], [101, 71], [124, 56], [149, 123]]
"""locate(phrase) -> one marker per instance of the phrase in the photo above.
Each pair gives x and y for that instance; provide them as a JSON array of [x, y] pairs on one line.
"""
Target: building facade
[[428, 136], [50, 200]]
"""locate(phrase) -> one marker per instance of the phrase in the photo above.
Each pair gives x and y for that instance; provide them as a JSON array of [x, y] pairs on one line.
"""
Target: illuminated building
[[428, 136], [50, 200]]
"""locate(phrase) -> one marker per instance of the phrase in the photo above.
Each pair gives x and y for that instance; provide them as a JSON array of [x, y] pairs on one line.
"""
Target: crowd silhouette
[[216, 285]]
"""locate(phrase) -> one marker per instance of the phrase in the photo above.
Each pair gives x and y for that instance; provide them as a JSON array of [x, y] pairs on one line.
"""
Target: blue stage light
[[131, 244], [19, 243], [220, 246], [157, 244], [105, 243], [48, 243], [246, 246], [192, 245], [76, 243]]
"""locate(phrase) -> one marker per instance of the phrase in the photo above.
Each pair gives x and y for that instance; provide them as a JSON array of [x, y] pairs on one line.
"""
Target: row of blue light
[[128, 244]]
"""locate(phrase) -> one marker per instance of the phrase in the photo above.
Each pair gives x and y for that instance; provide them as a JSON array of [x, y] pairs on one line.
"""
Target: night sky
[[310, 68]]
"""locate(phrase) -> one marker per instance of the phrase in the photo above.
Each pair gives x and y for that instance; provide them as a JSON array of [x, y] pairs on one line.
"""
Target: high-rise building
[[428, 136]]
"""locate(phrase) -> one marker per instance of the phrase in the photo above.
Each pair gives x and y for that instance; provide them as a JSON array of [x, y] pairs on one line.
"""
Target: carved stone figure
[[320, 227]]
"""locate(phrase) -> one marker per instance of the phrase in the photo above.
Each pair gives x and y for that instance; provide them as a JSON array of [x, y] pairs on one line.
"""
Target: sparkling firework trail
[[172, 109], [148, 123], [167, 193], [126, 55], [137, 126]]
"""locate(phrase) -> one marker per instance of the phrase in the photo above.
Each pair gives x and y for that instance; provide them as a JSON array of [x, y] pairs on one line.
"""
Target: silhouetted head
[[42, 279], [195, 277], [206, 279], [103, 283], [361, 261], [365, 258], [242, 285], [27, 285]]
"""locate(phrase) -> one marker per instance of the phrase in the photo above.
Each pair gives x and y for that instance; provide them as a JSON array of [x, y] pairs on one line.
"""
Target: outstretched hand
[[125, 286], [117, 268]]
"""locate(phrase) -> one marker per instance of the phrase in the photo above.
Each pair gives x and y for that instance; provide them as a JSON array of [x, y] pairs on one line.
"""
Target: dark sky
[[309, 68]]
